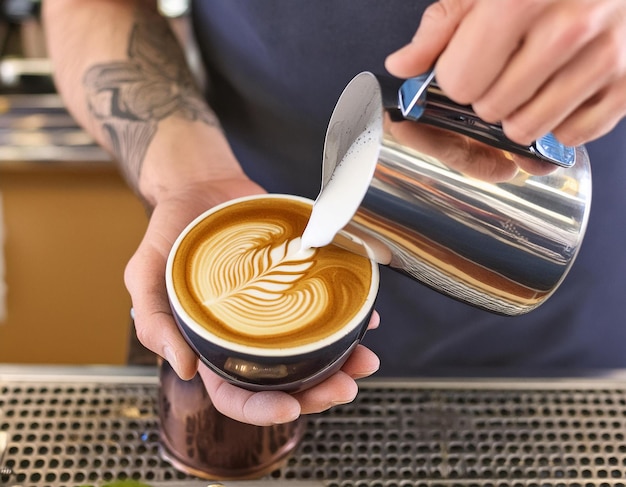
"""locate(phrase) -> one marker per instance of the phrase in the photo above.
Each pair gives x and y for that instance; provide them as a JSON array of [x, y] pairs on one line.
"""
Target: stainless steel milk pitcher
[[450, 201]]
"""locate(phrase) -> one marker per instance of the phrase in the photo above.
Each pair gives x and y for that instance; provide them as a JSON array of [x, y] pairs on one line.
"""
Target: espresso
[[241, 274]]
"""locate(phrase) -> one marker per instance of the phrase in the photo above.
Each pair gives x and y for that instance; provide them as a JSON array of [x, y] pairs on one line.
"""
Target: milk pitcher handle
[[420, 98]]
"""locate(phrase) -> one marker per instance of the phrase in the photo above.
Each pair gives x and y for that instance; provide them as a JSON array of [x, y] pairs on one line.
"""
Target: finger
[[259, 408], [144, 277], [340, 388], [594, 118], [553, 39], [157, 332], [374, 321], [361, 363], [578, 81], [154, 324], [489, 34], [437, 27]]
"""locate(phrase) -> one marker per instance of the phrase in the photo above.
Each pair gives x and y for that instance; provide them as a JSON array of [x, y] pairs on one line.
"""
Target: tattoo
[[130, 97]]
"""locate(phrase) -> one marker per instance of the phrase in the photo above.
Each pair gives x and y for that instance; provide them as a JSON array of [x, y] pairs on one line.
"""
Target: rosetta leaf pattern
[[255, 286], [270, 271]]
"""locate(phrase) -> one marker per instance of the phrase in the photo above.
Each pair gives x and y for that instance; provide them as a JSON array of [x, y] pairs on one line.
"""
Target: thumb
[[438, 25]]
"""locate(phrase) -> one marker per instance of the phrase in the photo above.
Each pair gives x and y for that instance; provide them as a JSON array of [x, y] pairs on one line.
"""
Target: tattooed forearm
[[130, 97]]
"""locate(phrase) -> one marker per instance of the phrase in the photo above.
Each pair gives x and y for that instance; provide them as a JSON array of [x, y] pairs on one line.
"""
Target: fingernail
[[288, 419], [364, 375], [371, 371], [339, 403]]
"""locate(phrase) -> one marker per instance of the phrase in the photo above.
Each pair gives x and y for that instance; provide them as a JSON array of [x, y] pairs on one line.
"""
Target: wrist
[[183, 155]]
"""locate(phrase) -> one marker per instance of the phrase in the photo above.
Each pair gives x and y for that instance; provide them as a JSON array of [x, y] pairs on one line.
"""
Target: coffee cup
[[260, 310]]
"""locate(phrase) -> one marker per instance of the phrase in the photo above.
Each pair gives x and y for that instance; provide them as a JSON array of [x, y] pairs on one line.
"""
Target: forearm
[[123, 76]]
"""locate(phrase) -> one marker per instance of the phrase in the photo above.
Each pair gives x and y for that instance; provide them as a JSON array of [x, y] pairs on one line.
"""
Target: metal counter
[[88, 425]]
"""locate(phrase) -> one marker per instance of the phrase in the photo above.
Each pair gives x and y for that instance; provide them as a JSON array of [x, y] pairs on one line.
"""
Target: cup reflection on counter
[[199, 440]]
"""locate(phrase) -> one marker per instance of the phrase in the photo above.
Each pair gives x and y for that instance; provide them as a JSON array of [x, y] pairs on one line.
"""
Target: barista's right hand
[[145, 280]]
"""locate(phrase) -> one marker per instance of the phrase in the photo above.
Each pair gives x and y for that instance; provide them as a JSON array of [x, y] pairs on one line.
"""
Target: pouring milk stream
[[342, 194]]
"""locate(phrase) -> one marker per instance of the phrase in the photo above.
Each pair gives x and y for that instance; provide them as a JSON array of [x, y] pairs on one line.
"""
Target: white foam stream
[[341, 196]]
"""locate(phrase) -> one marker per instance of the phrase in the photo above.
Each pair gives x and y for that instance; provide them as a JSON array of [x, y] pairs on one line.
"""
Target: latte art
[[242, 275], [254, 286]]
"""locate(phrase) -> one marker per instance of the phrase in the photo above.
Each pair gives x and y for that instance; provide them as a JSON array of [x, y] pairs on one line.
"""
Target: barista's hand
[[537, 66], [273, 407], [145, 280], [145, 272]]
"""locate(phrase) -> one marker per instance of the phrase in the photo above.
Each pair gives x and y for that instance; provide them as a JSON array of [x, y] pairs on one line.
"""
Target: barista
[[276, 69]]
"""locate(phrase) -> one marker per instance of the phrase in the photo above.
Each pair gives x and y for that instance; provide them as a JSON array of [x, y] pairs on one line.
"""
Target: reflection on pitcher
[[460, 153]]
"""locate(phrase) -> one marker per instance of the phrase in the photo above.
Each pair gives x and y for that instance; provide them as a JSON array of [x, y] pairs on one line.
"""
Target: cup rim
[[205, 334]]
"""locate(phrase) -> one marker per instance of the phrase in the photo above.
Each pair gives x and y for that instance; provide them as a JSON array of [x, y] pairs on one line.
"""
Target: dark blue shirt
[[277, 69]]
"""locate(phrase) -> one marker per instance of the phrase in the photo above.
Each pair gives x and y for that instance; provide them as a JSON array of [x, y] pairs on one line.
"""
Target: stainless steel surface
[[438, 209], [39, 128], [85, 426], [421, 99]]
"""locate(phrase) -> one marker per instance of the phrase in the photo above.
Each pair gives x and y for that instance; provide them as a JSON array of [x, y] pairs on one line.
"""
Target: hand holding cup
[[156, 329], [258, 309]]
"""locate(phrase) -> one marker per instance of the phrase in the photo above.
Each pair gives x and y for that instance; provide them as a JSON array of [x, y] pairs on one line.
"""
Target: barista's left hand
[[537, 66], [271, 407]]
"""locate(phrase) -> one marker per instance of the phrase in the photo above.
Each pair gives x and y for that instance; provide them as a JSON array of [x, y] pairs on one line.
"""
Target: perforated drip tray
[[69, 426]]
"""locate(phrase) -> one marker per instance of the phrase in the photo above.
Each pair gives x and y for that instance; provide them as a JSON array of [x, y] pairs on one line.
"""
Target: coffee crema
[[241, 274]]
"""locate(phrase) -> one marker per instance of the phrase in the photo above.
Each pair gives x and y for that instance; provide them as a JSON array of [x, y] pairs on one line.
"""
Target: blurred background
[[68, 222]]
